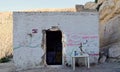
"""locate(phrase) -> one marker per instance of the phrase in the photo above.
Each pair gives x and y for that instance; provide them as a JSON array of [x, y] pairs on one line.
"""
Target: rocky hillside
[[109, 11]]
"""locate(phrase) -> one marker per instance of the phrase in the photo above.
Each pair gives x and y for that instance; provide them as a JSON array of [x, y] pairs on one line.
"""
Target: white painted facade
[[78, 27]]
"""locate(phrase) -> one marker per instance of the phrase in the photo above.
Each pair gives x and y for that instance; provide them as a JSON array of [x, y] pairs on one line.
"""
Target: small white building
[[50, 38]]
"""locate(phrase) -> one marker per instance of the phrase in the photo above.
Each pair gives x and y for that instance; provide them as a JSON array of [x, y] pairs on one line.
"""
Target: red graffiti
[[34, 30], [94, 54]]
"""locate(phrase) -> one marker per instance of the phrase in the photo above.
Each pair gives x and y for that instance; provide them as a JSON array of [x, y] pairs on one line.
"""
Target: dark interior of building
[[54, 47]]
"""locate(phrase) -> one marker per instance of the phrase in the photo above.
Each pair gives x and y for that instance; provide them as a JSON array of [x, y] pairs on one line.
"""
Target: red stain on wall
[[34, 30]]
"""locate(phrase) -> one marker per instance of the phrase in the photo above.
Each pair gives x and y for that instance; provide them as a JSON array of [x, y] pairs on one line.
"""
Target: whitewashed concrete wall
[[79, 27]]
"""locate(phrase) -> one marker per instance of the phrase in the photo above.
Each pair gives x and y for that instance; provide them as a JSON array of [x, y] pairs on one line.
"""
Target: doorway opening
[[53, 47]]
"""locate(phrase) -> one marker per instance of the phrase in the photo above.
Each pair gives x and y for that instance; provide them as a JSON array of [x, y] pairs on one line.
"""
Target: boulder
[[108, 9], [102, 59], [112, 31], [111, 37], [114, 50], [90, 5]]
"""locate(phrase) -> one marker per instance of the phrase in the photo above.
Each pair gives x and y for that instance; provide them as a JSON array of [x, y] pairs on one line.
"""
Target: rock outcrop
[[90, 5], [109, 12], [112, 36]]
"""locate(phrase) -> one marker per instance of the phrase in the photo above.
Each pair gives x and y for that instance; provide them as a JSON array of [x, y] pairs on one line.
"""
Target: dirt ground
[[105, 67]]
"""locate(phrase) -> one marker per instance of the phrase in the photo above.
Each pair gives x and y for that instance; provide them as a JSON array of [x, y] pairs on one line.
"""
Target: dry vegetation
[[6, 28], [51, 10]]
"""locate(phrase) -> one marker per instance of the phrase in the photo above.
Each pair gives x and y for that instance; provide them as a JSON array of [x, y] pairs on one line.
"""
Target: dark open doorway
[[54, 47]]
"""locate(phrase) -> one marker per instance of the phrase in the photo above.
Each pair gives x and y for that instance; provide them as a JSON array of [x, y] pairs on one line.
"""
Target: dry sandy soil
[[105, 67]]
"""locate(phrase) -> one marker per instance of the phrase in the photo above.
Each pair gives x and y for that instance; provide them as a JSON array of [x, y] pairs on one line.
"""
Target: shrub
[[96, 1], [4, 59]]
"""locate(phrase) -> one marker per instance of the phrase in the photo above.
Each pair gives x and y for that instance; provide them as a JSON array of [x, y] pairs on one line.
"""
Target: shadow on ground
[[105, 67]]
